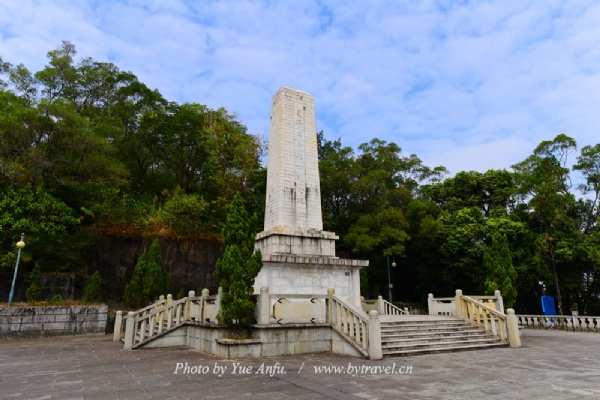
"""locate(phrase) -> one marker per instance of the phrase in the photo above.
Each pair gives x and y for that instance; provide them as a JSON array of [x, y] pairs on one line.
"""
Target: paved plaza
[[550, 365]]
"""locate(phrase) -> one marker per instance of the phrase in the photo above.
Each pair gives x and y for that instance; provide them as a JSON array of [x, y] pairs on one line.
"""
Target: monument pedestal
[[305, 263]]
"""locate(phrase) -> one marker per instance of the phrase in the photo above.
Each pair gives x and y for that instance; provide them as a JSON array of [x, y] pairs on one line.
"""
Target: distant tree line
[[87, 148]]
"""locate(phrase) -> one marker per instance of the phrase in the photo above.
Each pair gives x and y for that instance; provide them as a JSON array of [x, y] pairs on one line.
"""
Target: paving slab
[[550, 365]]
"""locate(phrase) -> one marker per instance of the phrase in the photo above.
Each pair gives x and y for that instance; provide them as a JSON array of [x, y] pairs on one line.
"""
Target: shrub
[[34, 291], [91, 291]]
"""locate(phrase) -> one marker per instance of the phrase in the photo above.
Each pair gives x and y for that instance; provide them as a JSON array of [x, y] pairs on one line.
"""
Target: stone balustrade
[[574, 323], [483, 316], [383, 307], [447, 305], [143, 325]]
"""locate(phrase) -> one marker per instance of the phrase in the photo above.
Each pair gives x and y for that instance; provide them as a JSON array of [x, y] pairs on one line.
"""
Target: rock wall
[[190, 263]]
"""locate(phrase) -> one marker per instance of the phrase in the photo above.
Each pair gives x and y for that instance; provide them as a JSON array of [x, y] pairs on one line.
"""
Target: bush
[[34, 291], [91, 291], [57, 299]]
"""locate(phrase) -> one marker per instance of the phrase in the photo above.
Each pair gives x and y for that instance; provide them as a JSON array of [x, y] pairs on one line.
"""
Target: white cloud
[[468, 86]]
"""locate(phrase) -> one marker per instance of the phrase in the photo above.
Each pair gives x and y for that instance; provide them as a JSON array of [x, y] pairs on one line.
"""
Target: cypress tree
[[239, 265], [34, 291], [149, 279], [501, 274]]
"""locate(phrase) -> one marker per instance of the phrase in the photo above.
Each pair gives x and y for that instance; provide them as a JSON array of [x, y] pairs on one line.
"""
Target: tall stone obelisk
[[298, 256]]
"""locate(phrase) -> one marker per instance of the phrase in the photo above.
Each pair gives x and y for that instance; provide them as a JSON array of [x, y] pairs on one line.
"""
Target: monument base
[[293, 274]]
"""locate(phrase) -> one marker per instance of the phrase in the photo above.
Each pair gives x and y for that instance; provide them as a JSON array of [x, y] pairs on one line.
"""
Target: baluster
[[169, 317], [584, 324], [338, 315], [176, 313], [493, 321], [351, 327], [161, 319], [502, 327], [152, 325], [143, 330], [364, 334], [569, 324], [595, 321], [485, 320]]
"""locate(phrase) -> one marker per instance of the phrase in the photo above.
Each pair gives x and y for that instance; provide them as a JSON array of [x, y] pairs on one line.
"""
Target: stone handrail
[[165, 315], [361, 331], [574, 323], [498, 324], [383, 307], [447, 305]]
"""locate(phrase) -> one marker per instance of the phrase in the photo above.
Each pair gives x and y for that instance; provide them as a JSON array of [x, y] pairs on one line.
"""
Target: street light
[[390, 286], [20, 245]]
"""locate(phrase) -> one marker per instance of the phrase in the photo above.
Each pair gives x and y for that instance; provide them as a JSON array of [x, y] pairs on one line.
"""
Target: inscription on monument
[[299, 164]]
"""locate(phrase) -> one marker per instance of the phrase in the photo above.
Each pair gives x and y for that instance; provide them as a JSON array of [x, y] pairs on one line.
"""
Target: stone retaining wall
[[16, 322]]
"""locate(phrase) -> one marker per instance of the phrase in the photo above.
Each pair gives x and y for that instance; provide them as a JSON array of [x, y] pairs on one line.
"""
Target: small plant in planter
[[238, 267]]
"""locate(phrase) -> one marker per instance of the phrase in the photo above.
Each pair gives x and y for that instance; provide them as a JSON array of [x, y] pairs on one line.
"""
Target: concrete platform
[[551, 365]]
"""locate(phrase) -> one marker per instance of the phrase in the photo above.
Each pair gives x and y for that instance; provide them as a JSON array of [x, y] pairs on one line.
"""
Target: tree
[[54, 239], [545, 178], [239, 265], [34, 291], [91, 290], [501, 275], [149, 279], [134, 290], [156, 280]]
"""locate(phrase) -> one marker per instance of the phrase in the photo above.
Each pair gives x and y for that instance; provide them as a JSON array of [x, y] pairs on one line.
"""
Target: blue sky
[[470, 85]]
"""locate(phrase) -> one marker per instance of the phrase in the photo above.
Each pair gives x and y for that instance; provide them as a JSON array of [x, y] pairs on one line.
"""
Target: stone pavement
[[551, 365]]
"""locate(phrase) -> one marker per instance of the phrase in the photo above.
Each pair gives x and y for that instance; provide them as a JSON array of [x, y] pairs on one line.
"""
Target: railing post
[[219, 296], [406, 310], [203, 300], [374, 332], [129, 331], [576, 326], [430, 304], [329, 310], [263, 304], [512, 328], [118, 326], [499, 301], [380, 305], [188, 305], [169, 299], [458, 302]]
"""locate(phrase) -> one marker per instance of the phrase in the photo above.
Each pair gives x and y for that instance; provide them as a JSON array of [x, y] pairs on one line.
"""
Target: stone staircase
[[424, 334]]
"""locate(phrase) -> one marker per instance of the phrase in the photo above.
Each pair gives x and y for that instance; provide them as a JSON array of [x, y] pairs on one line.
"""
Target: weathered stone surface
[[298, 256], [52, 320]]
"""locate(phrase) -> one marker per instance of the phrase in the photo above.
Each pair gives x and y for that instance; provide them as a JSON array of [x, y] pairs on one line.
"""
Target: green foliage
[[92, 290], [156, 279], [185, 214], [57, 299], [181, 294], [149, 279], [49, 224], [501, 275], [34, 291], [239, 265], [134, 290]]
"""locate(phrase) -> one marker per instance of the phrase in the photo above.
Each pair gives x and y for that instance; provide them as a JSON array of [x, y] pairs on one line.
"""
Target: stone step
[[442, 349], [401, 343], [433, 335], [429, 329]]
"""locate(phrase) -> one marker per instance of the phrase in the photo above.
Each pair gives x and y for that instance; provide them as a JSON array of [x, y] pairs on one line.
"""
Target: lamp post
[[390, 286], [20, 245]]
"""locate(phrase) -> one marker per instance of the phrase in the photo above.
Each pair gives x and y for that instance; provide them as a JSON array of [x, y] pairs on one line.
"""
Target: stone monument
[[298, 256]]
